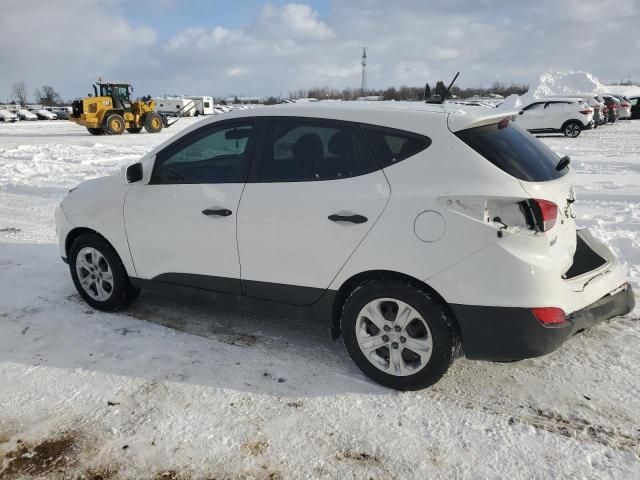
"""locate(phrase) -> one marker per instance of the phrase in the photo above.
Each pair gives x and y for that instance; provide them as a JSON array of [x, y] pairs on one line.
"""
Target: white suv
[[547, 115], [414, 232]]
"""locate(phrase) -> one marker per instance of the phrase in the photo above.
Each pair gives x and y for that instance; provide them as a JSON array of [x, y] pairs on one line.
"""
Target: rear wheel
[[572, 129], [99, 275], [152, 122], [114, 124], [134, 129], [397, 334], [95, 131]]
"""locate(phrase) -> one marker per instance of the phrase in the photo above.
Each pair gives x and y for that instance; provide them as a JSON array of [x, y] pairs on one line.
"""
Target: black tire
[[134, 129], [95, 131], [122, 292], [572, 129], [114, 124], [439, 321], [152, 122]]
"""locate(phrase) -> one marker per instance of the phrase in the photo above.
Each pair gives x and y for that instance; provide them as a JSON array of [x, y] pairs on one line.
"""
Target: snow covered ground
[[187, 386]]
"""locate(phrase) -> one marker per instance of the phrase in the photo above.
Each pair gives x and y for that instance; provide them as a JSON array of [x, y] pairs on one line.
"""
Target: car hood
[[91, 193]]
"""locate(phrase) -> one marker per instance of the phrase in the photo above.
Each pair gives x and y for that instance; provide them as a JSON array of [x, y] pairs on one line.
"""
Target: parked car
[[613, 107], [625, 107], [62, 114], [635, 107], [7, 116], [44, 114], [598, 109], [604, 111], [24, 114], [567, 115], [415, 234]]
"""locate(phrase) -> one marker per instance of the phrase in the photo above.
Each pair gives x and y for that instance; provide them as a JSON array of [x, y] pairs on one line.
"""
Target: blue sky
[[171, 16], [258, 47]]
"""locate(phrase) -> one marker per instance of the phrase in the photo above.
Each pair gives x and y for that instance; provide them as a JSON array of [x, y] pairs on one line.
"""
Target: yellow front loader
[[110, 111]]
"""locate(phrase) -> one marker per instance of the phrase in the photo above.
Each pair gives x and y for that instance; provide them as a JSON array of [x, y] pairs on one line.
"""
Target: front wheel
[[152, 122], [397, 334], [572, 129], [114, 124], [99, 275]]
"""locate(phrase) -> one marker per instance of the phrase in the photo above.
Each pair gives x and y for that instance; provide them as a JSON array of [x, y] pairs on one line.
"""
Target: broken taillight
[[541, 214], [549, 315]]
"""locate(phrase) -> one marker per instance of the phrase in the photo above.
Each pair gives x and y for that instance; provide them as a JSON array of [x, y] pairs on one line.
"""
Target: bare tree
[[47, 96], [19, 92]]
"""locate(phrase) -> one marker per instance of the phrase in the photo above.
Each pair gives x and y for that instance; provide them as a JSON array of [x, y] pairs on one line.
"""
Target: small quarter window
[[392, 146]]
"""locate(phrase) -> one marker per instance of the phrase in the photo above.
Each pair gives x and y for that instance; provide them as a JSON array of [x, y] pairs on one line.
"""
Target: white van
[[204, 105], [174, 106]]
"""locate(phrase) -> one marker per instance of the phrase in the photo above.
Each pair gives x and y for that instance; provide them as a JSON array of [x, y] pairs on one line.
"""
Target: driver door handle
[[347, 218], [215, 211]]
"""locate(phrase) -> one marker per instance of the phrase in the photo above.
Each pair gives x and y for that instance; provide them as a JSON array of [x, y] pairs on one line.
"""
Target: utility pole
[[363, 86]]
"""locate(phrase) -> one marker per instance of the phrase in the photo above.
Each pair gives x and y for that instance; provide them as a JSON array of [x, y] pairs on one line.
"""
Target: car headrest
[[340, 144], [308, 145]]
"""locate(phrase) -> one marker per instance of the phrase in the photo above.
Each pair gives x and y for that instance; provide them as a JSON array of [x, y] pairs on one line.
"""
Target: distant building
[[371, 98], [244, 100]]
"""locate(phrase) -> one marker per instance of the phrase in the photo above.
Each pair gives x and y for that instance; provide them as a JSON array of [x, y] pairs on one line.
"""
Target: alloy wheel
[[94, 274], [573, 130], [394, 337]]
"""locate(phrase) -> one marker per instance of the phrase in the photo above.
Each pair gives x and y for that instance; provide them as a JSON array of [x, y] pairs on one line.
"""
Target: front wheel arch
[[76, 232], [352, 283]]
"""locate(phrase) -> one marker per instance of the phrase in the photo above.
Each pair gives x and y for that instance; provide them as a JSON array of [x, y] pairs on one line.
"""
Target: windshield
[[514, 151], [121, 91]]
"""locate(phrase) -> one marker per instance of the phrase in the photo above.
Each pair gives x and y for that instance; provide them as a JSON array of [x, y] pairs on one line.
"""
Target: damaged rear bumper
[[594, 289], [509, 333]]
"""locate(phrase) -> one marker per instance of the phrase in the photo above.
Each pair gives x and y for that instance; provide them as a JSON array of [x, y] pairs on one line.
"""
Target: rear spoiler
[[462, 120]]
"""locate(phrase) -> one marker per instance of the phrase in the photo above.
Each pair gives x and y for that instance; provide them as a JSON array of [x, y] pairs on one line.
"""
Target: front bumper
[[511, 333]]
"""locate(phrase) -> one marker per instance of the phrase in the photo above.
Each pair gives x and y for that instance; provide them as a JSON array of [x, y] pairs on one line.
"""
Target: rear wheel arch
[[352, 283], [572, 122]]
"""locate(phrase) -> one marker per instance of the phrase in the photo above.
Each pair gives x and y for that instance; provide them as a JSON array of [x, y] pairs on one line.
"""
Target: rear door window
[[392, 146], [299, 150], [514, 151]]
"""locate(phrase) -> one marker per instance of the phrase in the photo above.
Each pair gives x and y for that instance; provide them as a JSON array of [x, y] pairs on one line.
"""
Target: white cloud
[[294, 20]]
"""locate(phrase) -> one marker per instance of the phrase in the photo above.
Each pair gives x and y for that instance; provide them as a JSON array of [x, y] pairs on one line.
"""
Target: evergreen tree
[[427, 92], [440, 88]]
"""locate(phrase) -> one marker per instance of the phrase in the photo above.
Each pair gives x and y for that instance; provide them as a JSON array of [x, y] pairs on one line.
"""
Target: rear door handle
[[215, 211], [347, 218]]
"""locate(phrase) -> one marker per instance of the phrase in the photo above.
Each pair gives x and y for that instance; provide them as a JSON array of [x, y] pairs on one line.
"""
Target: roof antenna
[[446, 92]]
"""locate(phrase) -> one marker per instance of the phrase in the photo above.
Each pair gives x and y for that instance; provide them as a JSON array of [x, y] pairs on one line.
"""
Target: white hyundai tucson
[[415, 232]]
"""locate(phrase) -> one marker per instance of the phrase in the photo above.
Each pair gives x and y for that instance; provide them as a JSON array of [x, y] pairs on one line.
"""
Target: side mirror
[[134, 173]]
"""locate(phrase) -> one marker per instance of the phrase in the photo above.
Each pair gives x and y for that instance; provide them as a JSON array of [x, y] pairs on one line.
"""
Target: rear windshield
[[514, 151]]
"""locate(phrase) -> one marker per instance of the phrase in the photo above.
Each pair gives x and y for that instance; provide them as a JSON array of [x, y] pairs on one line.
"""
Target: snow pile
[[565, 83], [627, 90], [556, 84]]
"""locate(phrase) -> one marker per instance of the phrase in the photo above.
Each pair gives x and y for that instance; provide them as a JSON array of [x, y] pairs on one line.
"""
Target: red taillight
[[586, 111], [624, 105], [549, 315], [547, 213]]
